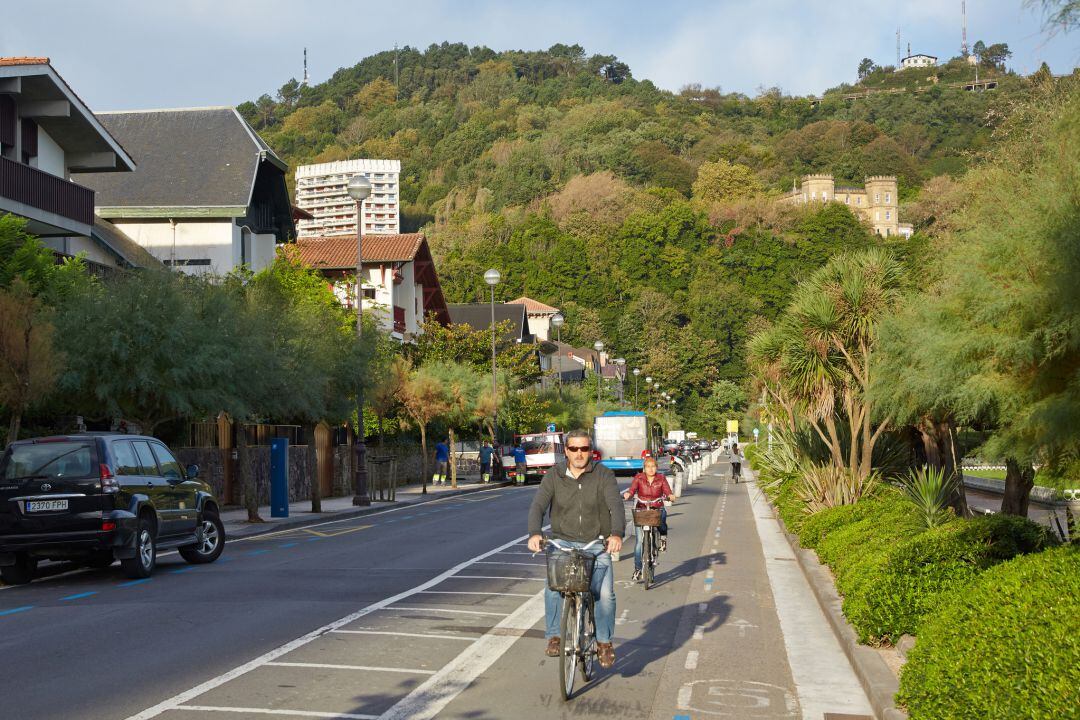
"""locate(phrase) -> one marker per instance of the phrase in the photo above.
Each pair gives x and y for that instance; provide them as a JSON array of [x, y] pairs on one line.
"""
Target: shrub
[[904, 584], [929, 489], [1004, 647], [826, 486]]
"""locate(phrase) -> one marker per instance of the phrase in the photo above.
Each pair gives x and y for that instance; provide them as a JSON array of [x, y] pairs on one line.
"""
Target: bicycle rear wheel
[[648, 559], [568, 650], [587, 616]]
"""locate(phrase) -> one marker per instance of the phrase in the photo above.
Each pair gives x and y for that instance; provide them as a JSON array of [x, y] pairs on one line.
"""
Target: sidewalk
[[336, 508]]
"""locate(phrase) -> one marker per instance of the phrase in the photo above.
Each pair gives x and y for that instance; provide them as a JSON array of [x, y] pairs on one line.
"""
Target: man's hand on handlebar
[[536, 542], [614, 544]]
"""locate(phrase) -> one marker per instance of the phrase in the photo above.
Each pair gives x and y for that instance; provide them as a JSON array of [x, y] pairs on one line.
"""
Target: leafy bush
[[905, 582], [929, 489], [1004, 647], [827, 486]]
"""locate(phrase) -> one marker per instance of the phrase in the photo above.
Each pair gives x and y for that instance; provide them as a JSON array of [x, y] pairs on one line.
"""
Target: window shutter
[[29, 139], [7, 121]]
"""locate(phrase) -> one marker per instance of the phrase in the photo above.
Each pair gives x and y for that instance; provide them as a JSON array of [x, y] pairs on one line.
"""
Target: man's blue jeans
[[603, 588], [640, 532]]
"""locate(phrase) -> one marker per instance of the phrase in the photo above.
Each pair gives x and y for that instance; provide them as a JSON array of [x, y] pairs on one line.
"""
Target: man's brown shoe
[[606, 653], [553, 647]]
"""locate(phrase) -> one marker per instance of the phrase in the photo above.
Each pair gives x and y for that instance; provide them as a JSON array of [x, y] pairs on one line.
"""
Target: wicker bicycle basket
[[647, 518], [570, 572]]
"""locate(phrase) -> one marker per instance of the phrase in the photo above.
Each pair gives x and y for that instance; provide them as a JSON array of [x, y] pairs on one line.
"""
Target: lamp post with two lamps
[[599, 348], [359, 189], [492, 277], [557, 321], [637, 371]]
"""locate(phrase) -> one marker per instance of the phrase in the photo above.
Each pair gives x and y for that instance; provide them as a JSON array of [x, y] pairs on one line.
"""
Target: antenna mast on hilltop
[[963, 31], [897, 47], [305, 81]]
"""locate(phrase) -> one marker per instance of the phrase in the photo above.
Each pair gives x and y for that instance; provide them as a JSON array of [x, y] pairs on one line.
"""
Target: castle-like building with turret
[[876, 203]]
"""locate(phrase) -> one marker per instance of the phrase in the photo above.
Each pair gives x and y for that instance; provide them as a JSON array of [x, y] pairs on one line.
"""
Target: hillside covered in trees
[[648, 216]]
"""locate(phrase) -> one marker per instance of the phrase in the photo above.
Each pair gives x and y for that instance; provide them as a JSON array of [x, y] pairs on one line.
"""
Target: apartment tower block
[[321, 190]]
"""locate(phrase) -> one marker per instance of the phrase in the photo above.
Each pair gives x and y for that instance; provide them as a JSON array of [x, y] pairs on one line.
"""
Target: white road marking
[[177, 700], [445, 610], [622, 619], [691, 660], [824, 680], [709, 574], [496, 562], [435, 693], [501, 577], [404, 634], [267, 711], [699, 632], [350, 667], [473, 592], [685, 693]]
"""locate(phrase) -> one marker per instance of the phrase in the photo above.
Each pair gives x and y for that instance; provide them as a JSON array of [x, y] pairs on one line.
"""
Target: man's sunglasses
[[583, 448]]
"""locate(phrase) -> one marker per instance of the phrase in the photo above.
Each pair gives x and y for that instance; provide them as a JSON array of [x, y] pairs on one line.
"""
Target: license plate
[[45, 505]]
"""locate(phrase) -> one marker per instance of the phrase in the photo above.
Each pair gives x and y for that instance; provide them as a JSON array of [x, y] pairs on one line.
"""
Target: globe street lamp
[[557, 321], [492, 278], [621, 363], [637, 371], [648, 391], [359, 189], [599, 348]]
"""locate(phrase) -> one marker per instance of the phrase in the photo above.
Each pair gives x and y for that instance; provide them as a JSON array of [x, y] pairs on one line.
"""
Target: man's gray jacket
[[580, 509]]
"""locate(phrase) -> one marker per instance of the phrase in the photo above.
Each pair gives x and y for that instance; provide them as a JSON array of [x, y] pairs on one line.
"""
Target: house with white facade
[[209, 195], [540, 315], [322, 191], [46, 134], [918, 60], [400, 285]]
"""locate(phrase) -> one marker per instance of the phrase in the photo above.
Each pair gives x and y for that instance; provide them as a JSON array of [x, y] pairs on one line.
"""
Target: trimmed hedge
[[1005, 646], [892, 591]]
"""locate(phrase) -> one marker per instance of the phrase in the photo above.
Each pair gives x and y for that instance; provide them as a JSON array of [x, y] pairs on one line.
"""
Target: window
[[888, 214], [147, 464], [369, 293], [888, 198], [170, 467], [813, 195], [824, 196], [858, 199], [127, 463], [877, 198]]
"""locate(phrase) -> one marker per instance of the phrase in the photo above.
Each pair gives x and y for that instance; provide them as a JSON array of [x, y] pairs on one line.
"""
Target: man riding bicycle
[[736, 462], [581, 498], [651, 489]]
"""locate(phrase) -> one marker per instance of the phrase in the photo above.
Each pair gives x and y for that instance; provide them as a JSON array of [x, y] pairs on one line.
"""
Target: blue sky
[[123, 54]]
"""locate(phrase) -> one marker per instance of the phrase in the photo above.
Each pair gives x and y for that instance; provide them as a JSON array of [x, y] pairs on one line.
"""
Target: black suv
[[100, 497]]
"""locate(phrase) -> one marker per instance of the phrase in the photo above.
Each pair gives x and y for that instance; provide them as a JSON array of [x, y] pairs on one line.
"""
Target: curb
[[258, 528], [877, 680]]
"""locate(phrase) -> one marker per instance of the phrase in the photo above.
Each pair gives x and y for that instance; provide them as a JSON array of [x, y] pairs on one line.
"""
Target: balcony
[[53, 205]]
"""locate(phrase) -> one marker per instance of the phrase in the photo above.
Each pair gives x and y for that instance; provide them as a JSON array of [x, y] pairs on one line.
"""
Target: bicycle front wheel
[[648, 556], [568, 651], [587, 620]]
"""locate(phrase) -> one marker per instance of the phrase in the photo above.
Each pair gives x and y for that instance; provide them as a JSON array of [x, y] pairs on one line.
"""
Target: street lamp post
[[359, 189], [621, 364], [492, 278], [599, 348], [637, 371], [557, 321], [648, 392]]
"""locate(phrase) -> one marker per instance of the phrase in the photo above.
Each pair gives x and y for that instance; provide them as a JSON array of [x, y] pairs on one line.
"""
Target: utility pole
[[305, 82], [963, 30]]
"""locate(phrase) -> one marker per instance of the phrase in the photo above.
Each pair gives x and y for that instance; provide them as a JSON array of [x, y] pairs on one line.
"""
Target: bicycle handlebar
[[565, 548]]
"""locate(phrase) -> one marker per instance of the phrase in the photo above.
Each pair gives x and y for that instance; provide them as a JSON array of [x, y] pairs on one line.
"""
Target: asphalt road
[[429, 611]]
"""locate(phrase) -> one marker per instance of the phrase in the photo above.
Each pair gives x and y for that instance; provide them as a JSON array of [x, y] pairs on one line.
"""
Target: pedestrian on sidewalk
[[581, 499], [519, 461], [442, 463], [485, 461]]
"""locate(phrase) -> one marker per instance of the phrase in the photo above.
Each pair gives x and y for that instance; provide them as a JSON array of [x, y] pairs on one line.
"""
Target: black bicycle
[[570, 572], [736, 468], [649, 521]]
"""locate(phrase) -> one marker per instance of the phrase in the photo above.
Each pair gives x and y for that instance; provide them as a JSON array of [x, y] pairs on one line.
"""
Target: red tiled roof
[[338, 253], [24, 61], [533, 306]]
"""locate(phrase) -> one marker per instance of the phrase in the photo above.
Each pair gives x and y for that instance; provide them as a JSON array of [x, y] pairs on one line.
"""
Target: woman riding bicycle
[[651, 489]]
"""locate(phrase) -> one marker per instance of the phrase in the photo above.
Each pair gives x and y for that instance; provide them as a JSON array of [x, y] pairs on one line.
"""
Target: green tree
[[866, 66], [723, 181], [29, 364]]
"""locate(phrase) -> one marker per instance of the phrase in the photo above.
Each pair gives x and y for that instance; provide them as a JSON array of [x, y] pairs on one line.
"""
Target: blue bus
[[622, 437]]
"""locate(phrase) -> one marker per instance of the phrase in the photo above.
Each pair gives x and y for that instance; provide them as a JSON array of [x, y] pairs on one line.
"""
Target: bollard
[[279, 477]]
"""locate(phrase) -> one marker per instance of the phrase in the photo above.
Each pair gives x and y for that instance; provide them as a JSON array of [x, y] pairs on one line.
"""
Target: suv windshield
[[50, 460]]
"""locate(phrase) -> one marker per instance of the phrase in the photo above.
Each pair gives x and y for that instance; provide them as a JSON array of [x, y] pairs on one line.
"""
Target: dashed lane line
[[179, 699], [367, 668], [431, 636], [289, 713]]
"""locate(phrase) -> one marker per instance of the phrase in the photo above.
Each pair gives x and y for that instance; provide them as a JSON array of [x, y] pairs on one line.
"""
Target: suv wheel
[[211, 540], [21, 572], [142, 564]]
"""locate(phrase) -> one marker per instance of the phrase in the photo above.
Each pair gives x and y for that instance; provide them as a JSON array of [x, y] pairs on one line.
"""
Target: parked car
[[100, 497]]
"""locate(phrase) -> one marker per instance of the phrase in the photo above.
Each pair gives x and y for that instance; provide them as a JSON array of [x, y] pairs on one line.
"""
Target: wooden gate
[[324, 444]]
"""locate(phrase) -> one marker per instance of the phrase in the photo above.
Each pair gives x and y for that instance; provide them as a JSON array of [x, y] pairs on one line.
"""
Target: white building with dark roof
[[321, 191], [209, 194], [918, 60]]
